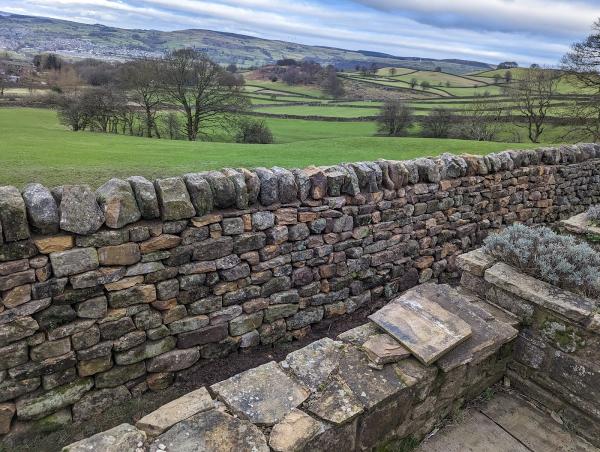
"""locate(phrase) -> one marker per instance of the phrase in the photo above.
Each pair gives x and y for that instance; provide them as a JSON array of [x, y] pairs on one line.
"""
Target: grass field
[[323, 110], [35, 148]]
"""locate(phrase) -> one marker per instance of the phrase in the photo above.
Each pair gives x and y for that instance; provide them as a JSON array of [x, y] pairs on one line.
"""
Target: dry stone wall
[[556, 357], [110, 293]]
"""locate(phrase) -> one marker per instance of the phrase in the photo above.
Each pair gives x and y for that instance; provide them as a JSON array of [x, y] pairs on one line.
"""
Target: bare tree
[[532, 95], [204, 91], [73, 111], [141, 80], [482, 121], [437, 123], [582, 64], [395, 118], [392, 71]]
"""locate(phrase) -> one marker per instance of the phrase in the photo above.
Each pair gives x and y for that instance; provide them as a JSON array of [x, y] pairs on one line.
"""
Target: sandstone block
[[122, 438], [125, 254], [174, 360], [42, 210], [174, 199], [162, 242], [118, 203], [79, 210], [13, 215], [55, 244], [72, 262], [36, 407], [7, 412], [145, 196], [97, 401], [176, 411]]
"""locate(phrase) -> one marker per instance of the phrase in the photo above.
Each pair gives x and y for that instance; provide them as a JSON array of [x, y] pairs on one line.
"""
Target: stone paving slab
[[263, 395], [532, 427], [476, 433], [422, 326], [507, 423]]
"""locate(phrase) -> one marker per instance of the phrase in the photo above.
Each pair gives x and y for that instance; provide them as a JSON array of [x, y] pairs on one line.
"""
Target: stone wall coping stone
[[568, 304]]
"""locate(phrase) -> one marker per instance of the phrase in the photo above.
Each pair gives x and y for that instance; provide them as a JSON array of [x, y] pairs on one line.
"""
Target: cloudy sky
[[527, 31]]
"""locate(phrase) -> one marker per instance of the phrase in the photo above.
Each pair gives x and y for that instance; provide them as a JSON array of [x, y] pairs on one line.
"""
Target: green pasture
[[34, 147]]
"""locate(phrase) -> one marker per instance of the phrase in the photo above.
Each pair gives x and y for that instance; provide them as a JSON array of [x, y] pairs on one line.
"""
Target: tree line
[[184, 94]]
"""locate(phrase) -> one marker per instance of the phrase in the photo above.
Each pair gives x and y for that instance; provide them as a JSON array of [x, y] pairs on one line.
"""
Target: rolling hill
[[28, 35]]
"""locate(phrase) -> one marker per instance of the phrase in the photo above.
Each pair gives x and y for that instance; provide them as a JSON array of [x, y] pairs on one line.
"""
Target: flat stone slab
[[370, 386], [295, 431], [314, 363], [263, 395], [336, 403], [359, 335], [212, 431], [488, 334], [122, 438], [568, 304], [384, 349], [476, 433], [422, 326], [507, 423], [535, 429], [175, 411]]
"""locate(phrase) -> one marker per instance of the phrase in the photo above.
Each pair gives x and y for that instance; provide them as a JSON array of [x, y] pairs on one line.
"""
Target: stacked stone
[[107, 294], [556, 355]]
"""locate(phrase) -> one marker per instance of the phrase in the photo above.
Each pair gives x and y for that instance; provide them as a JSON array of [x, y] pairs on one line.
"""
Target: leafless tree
[[437, 123], [532, 95], [395, 118], [582, 64], [141, 80], [203, 90], [482, 120]]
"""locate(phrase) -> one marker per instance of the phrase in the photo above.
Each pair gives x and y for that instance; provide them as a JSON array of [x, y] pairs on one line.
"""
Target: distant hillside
[[27, 35]]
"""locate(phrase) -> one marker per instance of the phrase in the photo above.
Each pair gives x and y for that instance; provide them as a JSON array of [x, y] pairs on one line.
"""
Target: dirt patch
[[205, 373]]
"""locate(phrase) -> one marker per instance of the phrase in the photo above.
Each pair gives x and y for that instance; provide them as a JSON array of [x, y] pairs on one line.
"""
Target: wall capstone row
[[117, 203], [106, 294]]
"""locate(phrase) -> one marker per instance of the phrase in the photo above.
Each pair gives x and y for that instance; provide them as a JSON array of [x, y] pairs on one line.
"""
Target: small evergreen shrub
[[560, 260], [593, 215]]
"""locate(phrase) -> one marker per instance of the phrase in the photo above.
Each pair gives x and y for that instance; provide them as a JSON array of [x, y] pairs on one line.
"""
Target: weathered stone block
[[13, 215], [42, 210], [145, 195], [174, 199], [35, 407], [97, 401], [72, 262], [118, 203], [122, 438], [176, 411], [79, 211]]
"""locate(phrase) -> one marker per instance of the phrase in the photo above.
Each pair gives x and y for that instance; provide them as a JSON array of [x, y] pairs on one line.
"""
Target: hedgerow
[[560, 260]]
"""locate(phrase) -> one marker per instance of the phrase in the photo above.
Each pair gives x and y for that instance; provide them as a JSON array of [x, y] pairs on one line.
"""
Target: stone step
[[422, 325], [490, 330]]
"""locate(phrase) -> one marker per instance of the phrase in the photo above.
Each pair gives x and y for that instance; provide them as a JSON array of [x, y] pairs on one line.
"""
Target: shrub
[[560, 260], [593, 214], [254, 132]]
